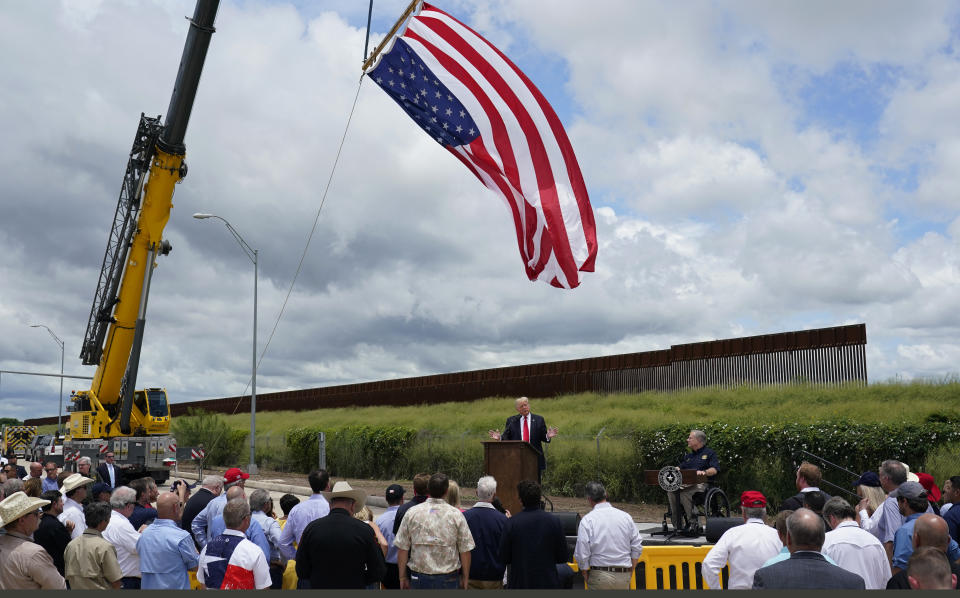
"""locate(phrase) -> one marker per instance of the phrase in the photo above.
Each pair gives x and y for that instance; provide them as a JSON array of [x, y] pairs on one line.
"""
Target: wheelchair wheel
[[716, 503]]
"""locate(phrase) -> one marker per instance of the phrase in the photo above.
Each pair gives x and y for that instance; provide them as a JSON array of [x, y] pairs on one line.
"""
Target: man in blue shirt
[[305, 513], [167, 553], [394, 496], [200, 524], [254, 531], [50, 480], [912, 500], [147, 492], [704, 461]]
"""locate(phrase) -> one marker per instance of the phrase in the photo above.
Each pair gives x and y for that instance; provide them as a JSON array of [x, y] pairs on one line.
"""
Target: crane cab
[[90, 418]]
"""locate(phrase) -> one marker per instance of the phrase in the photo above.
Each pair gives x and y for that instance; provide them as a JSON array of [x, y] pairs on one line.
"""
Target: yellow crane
[[113, 414]]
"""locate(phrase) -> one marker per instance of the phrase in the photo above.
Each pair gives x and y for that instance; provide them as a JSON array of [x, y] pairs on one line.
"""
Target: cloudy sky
[[754, 167]]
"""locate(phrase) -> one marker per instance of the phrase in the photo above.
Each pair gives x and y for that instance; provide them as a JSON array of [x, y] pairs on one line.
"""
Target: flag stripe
[[488, 114], [563, 144], [525, 137], [488, 119], [518, 91], [495, 181]]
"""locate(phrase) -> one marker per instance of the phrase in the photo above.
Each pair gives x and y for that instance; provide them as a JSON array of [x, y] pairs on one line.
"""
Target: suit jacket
[[796, 501], [806, 570], [532, 544], [538, 434], [195, 504], [104, 476]]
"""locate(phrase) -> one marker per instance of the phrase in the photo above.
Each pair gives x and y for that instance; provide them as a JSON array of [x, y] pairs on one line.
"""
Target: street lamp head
[[199, 216]]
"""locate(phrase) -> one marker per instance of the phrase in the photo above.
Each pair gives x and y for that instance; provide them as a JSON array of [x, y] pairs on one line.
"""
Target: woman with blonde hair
[[453, 495], [871, 497]]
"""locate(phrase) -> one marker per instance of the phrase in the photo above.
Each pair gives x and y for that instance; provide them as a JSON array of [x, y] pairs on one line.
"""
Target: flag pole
[[396, 26]]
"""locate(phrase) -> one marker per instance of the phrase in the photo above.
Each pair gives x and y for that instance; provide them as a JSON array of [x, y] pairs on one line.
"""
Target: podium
[[510, 462], [688, 477]]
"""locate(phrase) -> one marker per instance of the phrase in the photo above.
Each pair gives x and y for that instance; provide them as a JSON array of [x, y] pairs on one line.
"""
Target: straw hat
[[344, 490], [17, 505], [75, 481]]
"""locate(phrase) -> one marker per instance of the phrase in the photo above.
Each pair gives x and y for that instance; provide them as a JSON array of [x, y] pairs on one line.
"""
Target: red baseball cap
[[928, 483], [233, 474], [752, 499]]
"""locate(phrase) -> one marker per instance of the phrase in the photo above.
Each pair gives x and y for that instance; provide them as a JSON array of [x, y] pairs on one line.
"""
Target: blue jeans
[[446, 581]]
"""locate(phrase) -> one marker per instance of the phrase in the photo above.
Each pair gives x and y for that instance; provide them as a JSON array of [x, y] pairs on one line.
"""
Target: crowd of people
[[898, 536], [85, 530]]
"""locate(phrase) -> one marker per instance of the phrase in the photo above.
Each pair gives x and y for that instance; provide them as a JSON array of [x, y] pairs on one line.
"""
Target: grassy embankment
[[455, 429], [580, 417]]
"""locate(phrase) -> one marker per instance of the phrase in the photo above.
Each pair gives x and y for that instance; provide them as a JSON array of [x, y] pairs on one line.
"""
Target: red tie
[[526, 430]]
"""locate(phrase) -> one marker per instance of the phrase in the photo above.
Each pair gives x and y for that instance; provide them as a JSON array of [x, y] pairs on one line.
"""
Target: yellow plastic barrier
[[194, 584], [674, 567], [670, 567]]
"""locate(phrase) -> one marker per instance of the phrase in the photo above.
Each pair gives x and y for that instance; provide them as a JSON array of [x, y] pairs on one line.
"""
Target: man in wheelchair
[[705, 462]]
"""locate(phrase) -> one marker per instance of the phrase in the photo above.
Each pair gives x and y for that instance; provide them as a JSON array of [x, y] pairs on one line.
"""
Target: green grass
[[585, 414]]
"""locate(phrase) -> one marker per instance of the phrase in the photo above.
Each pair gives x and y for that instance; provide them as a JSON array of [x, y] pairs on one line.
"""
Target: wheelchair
[[712, 502]]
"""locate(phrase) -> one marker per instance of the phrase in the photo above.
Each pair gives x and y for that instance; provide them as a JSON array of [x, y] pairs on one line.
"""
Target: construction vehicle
[[112, 414], [17, 440], [46, 448]]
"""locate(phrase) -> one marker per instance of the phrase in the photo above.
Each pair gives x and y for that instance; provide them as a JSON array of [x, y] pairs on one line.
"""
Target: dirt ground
[[642, 513]]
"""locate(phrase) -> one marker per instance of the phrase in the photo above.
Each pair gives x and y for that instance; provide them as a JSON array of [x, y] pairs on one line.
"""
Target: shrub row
[[761, 457], [765, 457]]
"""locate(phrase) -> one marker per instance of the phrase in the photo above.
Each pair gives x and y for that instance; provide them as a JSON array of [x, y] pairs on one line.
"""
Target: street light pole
[[253, 255], [60, 409]]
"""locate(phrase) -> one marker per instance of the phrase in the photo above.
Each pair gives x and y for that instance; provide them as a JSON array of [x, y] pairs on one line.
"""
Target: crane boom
[[112, 408]]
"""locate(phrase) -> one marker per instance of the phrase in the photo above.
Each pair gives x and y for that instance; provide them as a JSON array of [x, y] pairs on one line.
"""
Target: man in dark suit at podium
[[528, 427]]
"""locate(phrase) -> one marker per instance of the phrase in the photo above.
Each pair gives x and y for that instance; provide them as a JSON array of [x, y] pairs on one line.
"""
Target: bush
[[353, 451], [460, 457], [944, 462], [224, 445], [765, 457]]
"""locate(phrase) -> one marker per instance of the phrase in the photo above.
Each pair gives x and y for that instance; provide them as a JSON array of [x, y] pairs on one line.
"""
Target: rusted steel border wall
[[823, 356]]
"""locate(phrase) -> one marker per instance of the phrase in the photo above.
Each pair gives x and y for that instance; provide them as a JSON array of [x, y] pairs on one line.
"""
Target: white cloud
[[717, 215]]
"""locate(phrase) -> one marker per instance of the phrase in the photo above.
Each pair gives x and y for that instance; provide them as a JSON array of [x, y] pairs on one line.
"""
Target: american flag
[[477, 104]]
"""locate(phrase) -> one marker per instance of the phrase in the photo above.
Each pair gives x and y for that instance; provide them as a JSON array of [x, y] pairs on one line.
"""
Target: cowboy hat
[[343, 490], [911, 477], [17, 505], [75, 481]]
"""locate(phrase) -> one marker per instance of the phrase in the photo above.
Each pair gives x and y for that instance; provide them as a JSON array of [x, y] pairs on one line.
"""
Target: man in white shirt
[[744, 547], [36, 472], [608, 543], [74, 491], [124, 538], [853, 548]]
